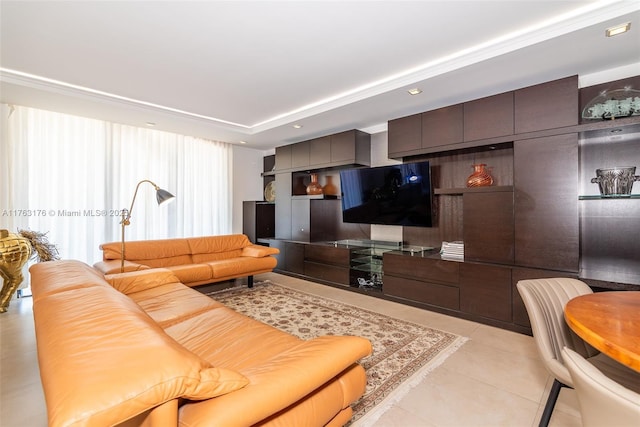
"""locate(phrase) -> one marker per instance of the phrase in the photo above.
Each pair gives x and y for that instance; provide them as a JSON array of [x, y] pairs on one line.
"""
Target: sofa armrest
[[114, 266], [258, 251], [137, 281]]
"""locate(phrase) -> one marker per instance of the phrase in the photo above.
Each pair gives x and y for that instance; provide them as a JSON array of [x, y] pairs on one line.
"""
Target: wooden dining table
[[610, 322]]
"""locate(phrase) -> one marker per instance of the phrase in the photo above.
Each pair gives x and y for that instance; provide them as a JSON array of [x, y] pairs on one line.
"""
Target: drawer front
[[328, 273], [422, 268], [430, 293], [328, 255]]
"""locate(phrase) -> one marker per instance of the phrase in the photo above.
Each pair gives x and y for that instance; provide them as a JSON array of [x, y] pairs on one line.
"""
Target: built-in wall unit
[[559, 202]]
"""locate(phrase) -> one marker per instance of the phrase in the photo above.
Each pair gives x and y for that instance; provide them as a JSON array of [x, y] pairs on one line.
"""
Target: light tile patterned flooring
[[495, 379]]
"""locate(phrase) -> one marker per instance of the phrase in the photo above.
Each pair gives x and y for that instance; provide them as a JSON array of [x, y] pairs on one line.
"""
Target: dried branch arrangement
[[42, 249]]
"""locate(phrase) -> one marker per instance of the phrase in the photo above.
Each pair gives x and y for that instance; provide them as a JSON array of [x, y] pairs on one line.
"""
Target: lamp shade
[[163, 196]]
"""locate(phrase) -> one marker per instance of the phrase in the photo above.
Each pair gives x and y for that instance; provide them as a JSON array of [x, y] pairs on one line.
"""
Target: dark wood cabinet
[[488, 226], [485, 290], [319, 151], [349, 148], [352, 147], [300, 155], [327, 263], [546, 203], [547, 106], [429, 293], [488, 117], [258, 220], [404, 135], [283, 205], [421, 268], [443, 126], [283, 157]]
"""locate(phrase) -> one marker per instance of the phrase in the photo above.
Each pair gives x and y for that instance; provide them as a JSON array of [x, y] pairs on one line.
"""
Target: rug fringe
[[370, 418]]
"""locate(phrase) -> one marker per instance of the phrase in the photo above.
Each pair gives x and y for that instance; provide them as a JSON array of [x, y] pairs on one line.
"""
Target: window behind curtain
[[70, 176]]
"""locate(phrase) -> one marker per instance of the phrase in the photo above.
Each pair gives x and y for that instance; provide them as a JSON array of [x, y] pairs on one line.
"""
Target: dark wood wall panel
[[546, 203]]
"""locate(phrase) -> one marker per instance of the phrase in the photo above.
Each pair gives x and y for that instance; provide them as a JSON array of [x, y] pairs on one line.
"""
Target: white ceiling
[[248, 70]]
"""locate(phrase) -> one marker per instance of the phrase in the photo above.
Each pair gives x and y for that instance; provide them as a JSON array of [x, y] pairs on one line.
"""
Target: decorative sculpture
[[15, 251]]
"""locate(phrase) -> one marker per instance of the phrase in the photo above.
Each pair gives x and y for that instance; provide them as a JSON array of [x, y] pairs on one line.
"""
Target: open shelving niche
[[366, 270]]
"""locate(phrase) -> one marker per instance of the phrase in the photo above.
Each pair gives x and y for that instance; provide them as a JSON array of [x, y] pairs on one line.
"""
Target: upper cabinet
[[348, 148], [404, 135], [547, 106], [488, 117], [442, 126], [504, 117]]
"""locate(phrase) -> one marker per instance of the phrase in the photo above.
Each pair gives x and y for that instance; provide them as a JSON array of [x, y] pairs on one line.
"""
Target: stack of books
[[452, 250]]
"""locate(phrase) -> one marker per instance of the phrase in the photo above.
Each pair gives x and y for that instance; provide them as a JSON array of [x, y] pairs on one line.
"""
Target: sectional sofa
[[194, 260], [142, 349]]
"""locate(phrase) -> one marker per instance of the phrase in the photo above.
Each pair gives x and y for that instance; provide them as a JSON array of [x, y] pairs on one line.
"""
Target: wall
[[379, 157], [246, 181]]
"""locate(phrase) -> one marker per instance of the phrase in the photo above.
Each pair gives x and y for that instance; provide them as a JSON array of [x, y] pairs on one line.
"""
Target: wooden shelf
[[462, 190]]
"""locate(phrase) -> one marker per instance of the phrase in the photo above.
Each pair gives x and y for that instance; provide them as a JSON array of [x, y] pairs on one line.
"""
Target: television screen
[[390, 195]]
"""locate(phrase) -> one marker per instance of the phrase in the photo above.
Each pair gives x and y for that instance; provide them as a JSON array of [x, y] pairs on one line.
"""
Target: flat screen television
[[390, 195]]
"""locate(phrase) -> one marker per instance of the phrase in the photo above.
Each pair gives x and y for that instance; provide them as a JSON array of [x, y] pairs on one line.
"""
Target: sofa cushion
[[215, 244], [173, 303], [113, 266], [147, 249], [140, 280], [77, 275], [191, 273]]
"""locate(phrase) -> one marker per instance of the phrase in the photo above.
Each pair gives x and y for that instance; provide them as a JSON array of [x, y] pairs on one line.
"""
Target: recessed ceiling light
[[414, 91], [150, 124], [618, 29], [297, 126], [242, 142]]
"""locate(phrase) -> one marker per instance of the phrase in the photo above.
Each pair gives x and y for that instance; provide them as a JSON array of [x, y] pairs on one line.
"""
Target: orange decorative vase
[[314, 187], [330, 188], [480, 177]]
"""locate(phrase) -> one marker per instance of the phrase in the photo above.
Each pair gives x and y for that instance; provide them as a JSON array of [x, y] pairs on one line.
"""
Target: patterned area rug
[[403, 352]]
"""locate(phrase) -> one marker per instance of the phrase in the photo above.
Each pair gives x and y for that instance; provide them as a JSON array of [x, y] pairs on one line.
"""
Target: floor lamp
[[162, 196]]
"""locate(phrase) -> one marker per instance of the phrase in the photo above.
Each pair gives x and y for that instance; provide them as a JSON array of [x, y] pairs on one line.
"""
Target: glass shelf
[[369, 268], [599, 197], [367, 260]]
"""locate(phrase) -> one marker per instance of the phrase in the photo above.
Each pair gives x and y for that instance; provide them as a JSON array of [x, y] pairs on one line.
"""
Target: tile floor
[[495, 379]]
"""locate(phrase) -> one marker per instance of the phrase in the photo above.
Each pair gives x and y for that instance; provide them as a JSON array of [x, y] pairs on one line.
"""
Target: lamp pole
[[162, 196]]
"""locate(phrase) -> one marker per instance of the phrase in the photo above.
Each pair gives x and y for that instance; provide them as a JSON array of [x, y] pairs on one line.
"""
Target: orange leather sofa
[[194, 260], [142, 349]]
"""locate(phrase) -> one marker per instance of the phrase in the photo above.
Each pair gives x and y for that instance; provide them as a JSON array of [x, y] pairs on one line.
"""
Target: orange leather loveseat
[[194, 260], [142, 349]]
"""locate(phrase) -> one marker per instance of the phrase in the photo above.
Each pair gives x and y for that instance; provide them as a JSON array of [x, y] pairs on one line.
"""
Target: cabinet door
[[343, 147], [547, 106], [405, 135], [485, 290], [300, 155], [320, 151], [294, 261], [300, 219], [283, 157], [488, 227], [443, 126], [488, 117], [546, 202], [283, 206]]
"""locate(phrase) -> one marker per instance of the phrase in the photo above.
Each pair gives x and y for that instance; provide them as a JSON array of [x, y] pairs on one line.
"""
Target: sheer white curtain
[[70, 176]]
